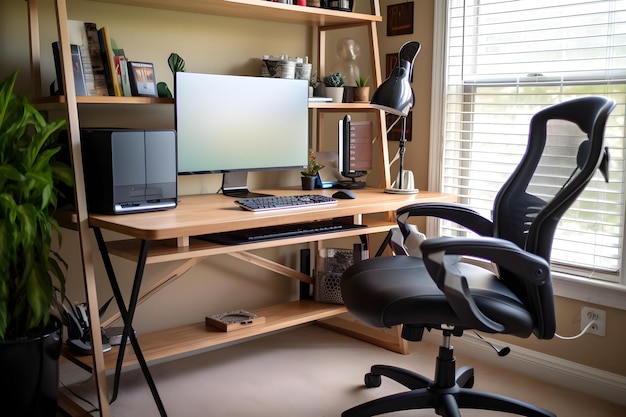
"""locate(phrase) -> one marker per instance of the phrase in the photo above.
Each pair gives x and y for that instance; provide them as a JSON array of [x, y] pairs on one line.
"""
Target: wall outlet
[[599, 326]]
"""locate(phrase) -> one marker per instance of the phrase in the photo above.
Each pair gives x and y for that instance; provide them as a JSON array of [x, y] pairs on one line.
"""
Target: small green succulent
[[334, 80]]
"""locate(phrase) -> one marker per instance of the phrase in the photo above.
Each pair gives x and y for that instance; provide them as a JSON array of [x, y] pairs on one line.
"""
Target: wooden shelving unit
[[195, 336]]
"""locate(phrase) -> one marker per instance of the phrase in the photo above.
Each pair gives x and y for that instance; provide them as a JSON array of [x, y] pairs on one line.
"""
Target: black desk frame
[[127, 317]]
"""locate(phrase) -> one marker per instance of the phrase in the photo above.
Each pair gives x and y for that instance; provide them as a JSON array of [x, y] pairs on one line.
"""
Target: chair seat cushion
[[391, 290]]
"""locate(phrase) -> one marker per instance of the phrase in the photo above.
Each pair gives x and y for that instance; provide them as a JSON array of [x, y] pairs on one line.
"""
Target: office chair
[[438, 291]]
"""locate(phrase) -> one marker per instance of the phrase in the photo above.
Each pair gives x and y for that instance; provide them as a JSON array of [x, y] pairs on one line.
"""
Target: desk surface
[[212, 213]]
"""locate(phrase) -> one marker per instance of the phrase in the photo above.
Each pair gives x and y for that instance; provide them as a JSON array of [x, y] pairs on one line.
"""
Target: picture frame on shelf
[[142, 79], [391, 61], [400, 19]]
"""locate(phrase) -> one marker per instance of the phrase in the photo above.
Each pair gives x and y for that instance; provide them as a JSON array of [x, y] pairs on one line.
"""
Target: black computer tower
[[129, 170]]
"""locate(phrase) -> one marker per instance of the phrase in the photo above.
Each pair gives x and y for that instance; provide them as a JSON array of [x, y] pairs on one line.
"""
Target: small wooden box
[[234, 320]]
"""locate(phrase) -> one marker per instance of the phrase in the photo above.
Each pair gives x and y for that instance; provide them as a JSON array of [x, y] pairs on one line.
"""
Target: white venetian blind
[[505, 61]]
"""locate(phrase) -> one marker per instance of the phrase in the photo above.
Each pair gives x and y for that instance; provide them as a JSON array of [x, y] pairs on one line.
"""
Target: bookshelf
[[320, 21]]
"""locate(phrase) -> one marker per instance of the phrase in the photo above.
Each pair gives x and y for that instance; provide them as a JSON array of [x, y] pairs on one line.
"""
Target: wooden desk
[[201, 214], [168, 235]]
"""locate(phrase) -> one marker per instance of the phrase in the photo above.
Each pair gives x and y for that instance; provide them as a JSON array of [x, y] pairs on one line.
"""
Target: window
[[505, 60]]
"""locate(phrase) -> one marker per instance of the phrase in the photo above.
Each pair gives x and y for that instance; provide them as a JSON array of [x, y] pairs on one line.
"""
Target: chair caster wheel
[[372, 381]]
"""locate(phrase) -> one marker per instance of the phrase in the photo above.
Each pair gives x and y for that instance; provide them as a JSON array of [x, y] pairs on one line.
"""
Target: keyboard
[[261, 234], [282, 202]]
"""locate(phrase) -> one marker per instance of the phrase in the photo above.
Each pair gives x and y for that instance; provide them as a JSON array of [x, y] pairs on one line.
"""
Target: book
[[121, 65], [77, 66], [108, 59], [78, 36], [320, 100], [95, 55]]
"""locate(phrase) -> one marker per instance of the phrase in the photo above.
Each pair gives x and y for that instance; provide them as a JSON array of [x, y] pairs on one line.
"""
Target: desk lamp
[[395, 96]]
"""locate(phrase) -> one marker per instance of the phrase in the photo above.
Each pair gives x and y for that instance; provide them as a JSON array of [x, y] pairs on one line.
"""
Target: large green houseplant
[[30, 271]]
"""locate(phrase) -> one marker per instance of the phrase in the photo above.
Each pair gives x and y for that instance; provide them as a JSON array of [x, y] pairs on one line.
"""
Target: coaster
[[234, 320]]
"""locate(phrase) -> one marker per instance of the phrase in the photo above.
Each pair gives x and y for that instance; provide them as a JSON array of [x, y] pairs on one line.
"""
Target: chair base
[[447, 394]]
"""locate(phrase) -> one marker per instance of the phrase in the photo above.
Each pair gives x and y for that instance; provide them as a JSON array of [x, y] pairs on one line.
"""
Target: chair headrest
[[583, 155]]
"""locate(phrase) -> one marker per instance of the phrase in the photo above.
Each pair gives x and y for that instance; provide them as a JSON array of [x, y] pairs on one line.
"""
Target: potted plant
[[309, 175], [362, 90], [30, 271], [314, 85], [334, 86]]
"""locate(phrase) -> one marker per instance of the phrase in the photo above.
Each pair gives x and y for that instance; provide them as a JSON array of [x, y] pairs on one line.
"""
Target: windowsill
[[592, 291]]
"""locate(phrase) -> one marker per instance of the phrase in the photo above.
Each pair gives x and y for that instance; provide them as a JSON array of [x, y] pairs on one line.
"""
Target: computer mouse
[[343, 194]]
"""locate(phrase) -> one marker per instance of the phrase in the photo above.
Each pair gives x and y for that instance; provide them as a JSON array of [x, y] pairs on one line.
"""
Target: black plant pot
[[308, 183], [29, 374]]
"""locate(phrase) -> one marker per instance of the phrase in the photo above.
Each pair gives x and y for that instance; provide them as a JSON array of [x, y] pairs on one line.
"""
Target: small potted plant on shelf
[[309, 175], [314, 85], [362, 90], [334, 86], [31, 272]]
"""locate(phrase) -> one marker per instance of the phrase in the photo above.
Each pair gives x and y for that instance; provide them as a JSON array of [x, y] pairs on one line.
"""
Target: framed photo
[[142, 79], [395, 133], [400, 19], [391, 62]]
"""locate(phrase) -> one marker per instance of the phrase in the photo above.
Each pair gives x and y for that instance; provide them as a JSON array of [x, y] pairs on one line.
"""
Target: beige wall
[[209, 44]]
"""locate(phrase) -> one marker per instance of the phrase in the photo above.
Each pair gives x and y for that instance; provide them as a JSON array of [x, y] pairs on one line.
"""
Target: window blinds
[[505, 60]]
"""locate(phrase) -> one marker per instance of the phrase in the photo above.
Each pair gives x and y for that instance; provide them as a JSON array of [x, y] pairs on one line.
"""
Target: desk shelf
[[258, 9], [167, 250], [197, 337]]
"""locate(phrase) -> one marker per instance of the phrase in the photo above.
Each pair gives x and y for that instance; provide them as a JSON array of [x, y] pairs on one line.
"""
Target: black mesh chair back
[[439, 290], [565, 148]]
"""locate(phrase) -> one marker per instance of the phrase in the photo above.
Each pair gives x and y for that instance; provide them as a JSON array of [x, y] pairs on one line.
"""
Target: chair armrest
[[457, 213], [507, 255], [443, 269]]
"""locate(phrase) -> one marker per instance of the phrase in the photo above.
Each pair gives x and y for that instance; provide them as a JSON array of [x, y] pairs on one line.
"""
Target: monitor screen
[[228, 123]]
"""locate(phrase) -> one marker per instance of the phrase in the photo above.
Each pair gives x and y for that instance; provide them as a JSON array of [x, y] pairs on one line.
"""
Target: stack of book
[[100, 68]]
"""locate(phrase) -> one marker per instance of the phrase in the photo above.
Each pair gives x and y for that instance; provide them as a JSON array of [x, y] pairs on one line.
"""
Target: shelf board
[[256, 9], [167, 250], [57, 102], [343, 106], [54, 102], [197, 337]]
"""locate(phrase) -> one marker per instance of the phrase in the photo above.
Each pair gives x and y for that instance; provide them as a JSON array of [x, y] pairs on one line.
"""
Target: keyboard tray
[[261, 234]]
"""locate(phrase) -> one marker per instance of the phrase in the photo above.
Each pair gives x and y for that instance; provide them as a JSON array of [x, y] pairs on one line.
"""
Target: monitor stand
[[235, 184], [353, 184]]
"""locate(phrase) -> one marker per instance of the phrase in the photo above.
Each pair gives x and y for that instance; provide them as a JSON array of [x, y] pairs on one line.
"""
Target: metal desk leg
[[127, 316], [383, 246]]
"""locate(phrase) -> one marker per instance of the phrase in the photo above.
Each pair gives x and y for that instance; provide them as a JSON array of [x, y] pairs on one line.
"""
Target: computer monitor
[[234, 124], [355, 151]]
